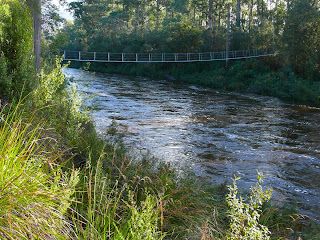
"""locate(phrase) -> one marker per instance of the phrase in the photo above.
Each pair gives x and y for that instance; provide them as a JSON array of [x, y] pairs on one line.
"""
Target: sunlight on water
[[217, 134]]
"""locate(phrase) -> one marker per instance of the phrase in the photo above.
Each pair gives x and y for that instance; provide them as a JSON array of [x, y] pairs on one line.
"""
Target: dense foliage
[[291, 27], [173, 26], [16, 61]]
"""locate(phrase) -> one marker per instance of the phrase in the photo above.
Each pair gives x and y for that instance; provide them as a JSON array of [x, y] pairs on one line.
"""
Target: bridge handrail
[[165, 57], [260, 49]]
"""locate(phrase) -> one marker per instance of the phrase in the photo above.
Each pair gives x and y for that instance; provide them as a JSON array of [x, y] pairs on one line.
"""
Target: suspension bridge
[[109, 57]]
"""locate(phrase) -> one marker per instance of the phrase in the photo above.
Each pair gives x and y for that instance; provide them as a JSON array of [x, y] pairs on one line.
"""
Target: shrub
[[244, 216]]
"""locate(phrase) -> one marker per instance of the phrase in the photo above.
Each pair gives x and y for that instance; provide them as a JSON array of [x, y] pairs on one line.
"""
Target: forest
[[182, 26], [60, 179]]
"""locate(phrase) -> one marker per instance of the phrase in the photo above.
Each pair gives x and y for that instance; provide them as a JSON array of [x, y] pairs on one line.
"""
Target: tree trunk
[[250, 15], [227, 35], [145, 18], [137, 18], [158, 14], [219, 20], [210, 24], [238, 10], [210, 14], [273, 24], [35, 8]]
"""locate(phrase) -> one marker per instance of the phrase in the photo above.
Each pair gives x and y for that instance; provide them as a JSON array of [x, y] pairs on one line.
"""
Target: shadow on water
[[217, 134]]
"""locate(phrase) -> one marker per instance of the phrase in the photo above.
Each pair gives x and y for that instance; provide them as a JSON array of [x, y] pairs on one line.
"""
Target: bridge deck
[[163, 57]]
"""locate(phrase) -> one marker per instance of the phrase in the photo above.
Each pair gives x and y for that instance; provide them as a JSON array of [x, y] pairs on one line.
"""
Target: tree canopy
[[291, 27]]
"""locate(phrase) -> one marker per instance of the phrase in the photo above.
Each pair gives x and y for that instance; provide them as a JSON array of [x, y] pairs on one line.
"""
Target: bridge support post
[[94, 56], [79, 55], [64, 54], [122, 57], [108, 57], [163, 57]]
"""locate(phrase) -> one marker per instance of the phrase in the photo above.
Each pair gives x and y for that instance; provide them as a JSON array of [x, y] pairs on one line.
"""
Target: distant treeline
[[292, 27]]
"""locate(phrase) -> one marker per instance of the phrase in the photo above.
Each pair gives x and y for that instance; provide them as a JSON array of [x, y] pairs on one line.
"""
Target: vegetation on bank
[[59, 180], [158, 26], [248, 76]]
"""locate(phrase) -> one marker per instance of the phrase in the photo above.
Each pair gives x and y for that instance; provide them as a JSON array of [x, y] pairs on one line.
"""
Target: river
[[215, 133]]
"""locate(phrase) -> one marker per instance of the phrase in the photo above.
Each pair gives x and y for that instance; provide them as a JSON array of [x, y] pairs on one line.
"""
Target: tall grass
[[34, 192], [107, 209]]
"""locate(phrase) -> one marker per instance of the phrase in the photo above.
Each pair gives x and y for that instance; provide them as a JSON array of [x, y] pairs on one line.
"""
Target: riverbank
[[259, 76], [59, 179], [163, 117], [142, 199]]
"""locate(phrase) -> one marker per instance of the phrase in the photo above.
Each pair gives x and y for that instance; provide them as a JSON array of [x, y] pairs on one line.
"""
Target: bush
[[244, 216]]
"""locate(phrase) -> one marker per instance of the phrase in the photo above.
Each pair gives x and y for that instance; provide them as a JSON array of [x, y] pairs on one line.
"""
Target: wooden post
[[227, 38], [79, 55], [175, 57], [122, 57], [149, 57], [136, 57], [108, 57], [94, 56]]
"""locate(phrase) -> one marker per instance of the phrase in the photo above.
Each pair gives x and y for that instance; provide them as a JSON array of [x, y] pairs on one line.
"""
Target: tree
[[35, 8], [51, 20], [16, 70], [302, 36], [238, 9]]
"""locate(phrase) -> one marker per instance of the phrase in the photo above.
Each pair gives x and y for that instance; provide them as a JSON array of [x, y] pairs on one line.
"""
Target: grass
[[110, 211], [110, 195], [35, 192]]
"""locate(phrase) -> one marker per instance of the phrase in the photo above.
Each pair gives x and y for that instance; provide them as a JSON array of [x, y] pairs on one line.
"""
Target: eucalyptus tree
[[35, 8], [301, 37], [51, 20]]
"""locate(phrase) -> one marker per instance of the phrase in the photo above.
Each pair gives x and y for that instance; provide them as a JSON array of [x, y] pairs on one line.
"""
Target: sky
[[63, 13]]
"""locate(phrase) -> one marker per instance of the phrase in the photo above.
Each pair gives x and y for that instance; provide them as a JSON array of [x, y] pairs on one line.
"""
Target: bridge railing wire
[[163, 57]]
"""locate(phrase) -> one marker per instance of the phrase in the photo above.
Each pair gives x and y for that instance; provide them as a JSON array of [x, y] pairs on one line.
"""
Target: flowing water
[[217, 134]]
